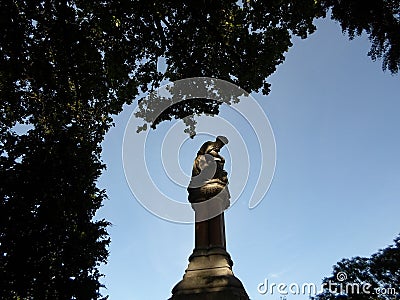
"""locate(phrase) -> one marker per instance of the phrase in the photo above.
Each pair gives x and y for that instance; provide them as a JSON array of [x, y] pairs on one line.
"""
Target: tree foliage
[[380, 19], [67, 66], [243, 42], [367, 278], [238, 42], [56, 101]]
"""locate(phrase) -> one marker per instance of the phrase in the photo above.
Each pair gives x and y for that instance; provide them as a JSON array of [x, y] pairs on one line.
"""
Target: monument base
[[209, 276]]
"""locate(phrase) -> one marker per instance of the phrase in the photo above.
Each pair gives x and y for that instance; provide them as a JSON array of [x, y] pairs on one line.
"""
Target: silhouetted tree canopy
[[367, 278], [67, 66], [379, 19]]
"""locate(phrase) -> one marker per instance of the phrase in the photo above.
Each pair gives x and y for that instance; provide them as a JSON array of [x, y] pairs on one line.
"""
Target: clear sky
[[335, 193]]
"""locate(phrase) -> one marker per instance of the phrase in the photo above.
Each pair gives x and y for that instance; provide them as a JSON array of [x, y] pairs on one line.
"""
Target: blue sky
[[335, 192]]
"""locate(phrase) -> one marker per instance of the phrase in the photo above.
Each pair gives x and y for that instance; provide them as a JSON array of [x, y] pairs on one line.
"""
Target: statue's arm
[[204, 148]]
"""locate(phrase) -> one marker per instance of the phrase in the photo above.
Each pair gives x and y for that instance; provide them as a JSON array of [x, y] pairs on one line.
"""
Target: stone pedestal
[[209, 276]]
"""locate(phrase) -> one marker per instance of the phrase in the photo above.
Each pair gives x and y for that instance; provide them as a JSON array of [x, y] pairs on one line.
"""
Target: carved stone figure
[[209, 274], [209, 179], [209, 194]]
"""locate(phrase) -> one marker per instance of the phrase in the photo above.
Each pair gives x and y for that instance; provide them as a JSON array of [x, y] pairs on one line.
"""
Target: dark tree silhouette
[[379, 19], [366, 278], [67, 66]]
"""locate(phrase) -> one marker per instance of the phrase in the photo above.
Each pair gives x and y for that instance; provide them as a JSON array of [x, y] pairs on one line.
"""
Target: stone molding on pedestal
[[209, 276]]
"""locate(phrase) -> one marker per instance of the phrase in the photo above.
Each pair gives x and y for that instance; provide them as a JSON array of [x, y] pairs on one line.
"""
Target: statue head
[[222, 140]]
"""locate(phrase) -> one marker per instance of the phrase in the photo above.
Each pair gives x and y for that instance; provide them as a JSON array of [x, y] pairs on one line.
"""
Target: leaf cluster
[[379, 19], [380, 272], [240, 42]]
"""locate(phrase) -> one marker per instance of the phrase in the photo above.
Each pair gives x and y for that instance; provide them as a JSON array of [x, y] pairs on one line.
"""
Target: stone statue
[[208, 175], [209, 274], [209, 194]]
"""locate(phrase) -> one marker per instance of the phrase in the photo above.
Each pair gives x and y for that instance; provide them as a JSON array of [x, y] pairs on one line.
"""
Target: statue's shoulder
[[205, 147]]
